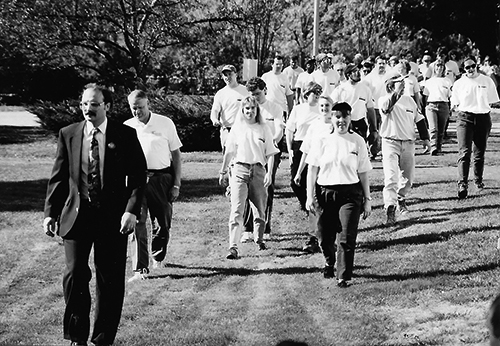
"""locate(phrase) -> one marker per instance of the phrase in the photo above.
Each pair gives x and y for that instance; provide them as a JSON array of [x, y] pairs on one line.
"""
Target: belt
[[152, 172], [398, 140]]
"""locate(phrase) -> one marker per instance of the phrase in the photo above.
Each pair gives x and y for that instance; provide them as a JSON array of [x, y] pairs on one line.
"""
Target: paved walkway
[[19, 118]]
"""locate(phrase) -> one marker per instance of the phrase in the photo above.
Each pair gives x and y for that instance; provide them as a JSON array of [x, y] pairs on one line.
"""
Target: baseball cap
[[426, 58], [350, 68], [341, 106], [229, 68], [393, 77]]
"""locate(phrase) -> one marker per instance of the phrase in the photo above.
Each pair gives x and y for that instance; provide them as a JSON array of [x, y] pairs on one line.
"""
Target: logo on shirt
[[354, 152], [262, 140], [409, 111]]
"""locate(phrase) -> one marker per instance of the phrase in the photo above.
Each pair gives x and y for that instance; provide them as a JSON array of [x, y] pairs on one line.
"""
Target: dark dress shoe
[[78, 343]]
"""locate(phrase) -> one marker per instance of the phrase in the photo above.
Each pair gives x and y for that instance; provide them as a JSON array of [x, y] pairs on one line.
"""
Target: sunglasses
[[472, 66]]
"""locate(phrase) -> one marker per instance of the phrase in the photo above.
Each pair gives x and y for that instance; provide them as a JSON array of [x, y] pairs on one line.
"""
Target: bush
[[190, 113]]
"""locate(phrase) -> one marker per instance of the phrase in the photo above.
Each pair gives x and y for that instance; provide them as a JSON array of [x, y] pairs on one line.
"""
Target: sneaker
[[403, 208], [138, 276], [267, 236], [262, 246], [462, 191], [157, 264], [328, 272], [233, 254], [246, 237], [342, 283], [312, 246], [391, 215], [479, 185]]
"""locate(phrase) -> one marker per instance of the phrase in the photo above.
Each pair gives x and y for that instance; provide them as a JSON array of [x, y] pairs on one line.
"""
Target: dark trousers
[[300, 191], [157, 199], [94, 228], [338, 223], [360, 127], [247, 213], [473, 131]]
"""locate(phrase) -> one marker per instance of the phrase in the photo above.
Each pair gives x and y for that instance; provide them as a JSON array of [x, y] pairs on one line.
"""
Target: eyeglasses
[[471, 66], [91, 104]]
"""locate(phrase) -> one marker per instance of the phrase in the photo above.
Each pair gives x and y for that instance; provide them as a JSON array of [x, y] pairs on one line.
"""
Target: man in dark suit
[[94, 195]]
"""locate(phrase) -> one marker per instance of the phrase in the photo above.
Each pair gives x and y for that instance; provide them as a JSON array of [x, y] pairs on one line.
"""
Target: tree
[[476, 20]]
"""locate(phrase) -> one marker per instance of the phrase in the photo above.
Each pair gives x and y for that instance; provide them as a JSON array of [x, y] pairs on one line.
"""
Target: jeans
[[156, 200], [398, 161], [247, 182], [473, 131], [437, 116], [341, 209], [248, 216]]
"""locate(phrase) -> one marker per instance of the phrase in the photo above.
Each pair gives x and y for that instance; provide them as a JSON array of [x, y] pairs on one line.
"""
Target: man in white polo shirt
[[472, 96], [161, 146], [227, 102]]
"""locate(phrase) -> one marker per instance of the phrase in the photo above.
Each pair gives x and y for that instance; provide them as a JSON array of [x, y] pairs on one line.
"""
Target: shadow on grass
[[21, 134], [418, 239], [23, 195], [232, 271], [193, 189], [434, 273]]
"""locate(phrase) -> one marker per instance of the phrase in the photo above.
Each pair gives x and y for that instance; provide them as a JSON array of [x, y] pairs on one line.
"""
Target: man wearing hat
[[359, 97], [227, 102], [399, 116], [303, 80], [325, 76]]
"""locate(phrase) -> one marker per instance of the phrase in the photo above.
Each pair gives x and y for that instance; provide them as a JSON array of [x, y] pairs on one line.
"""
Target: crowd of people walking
[[337, 116], [332, 117]]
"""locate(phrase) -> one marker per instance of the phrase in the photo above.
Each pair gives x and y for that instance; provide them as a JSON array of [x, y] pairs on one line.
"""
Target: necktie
[[94, 173]]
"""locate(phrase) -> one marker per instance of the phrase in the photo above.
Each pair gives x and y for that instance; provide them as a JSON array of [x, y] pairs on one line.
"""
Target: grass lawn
[[426, 281]]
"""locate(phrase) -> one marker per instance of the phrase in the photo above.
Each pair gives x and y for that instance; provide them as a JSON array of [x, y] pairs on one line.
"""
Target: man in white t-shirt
[[227, 102], [472, 96], [293, 71], [273, 116], [303, 80], [161, 146], [325, 76], [359, 97], [278, 86], [399, 116]]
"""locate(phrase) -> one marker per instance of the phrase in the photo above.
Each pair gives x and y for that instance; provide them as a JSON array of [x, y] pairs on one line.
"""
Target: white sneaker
[[138, 276], [267, 236], [157, 264], [247, 237]]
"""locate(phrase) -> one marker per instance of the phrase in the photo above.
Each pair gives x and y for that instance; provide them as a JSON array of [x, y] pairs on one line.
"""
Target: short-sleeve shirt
[[278, 88], [438, 89], [328, 80], [292, 75], [227, 103], [251, 143], [317, 129], [358, 96], [340, 157], [400, 122], [474, 95], [273, 116], [303, 80], [300, 118], [376, 82], [158, 139]]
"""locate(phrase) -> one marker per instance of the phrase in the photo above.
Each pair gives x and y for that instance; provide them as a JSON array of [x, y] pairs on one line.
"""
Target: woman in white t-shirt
[[339, 164], [298, 123], [437, 90], [249, 147]]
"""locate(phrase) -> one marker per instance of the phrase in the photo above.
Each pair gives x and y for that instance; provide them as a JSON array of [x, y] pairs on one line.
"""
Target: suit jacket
[[123, 182]]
